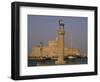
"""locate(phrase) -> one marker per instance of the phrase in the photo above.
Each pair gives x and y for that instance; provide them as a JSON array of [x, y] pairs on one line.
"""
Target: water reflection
[[52, 62]]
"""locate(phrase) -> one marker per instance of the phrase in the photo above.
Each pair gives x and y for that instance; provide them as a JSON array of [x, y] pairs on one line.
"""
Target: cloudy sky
[[44, 28]]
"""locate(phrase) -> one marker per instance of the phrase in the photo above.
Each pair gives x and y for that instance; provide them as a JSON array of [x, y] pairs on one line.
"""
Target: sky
[[42, 28]]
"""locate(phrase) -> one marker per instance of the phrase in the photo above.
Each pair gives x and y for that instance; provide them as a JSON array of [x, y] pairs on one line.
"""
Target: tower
[[41, 49], [60, 49]]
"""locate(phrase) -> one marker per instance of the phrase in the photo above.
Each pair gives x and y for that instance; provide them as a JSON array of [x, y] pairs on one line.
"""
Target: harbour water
[[48, 62]]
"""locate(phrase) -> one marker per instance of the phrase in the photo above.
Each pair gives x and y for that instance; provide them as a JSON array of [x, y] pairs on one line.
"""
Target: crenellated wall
[[51, 51]]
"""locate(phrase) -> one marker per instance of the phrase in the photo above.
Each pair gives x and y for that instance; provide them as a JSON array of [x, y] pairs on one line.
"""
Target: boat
[[71, 57]]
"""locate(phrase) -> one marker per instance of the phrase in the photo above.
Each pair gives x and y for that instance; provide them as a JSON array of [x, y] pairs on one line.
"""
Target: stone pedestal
[[60, 61]]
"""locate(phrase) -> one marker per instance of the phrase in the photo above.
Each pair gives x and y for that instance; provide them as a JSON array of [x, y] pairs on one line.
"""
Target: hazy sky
[[44, 28]]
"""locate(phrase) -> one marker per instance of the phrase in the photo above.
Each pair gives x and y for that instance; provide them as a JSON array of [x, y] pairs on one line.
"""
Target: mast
[[71, 45]]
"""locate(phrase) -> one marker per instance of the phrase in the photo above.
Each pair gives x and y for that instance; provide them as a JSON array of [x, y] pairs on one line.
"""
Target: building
[[55, 48]]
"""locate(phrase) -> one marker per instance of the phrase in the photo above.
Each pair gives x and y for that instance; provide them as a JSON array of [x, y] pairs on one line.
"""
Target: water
[[52, 62]]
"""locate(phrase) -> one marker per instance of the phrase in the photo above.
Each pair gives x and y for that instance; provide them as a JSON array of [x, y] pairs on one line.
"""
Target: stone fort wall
[[51, 50]]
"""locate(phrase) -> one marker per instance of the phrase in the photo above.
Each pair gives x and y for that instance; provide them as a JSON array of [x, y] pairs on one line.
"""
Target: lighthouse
[[60, 47]]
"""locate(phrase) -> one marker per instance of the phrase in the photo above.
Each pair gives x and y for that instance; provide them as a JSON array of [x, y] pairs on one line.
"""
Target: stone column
[[60, 49]]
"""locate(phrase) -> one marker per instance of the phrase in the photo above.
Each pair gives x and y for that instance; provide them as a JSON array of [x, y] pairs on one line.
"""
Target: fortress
[[55, 49]]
